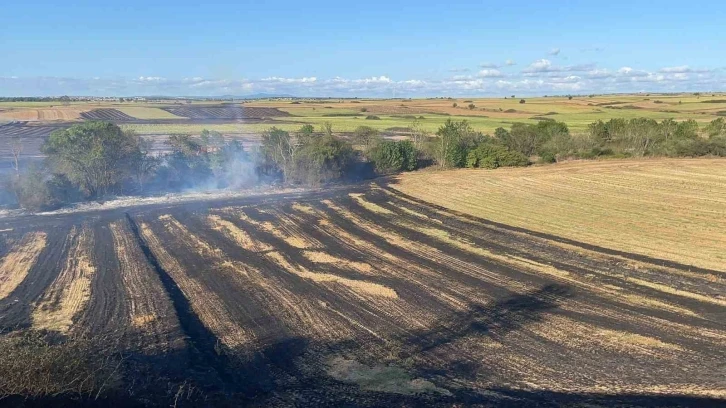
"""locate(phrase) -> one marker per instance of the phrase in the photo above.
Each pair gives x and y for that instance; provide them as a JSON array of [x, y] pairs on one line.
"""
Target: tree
[[279, 147], [472, 106], [522, 101], [65, 100], [569, 97], [16, 149], [450, 148], [144, 164], [327, 128], [417, 133], [366, 136], [717, 128], [391, 156], [97, 156]]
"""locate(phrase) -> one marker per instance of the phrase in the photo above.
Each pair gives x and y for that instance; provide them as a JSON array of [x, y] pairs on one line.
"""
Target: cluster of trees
[[94, 160], [647, 137], [304, 157]]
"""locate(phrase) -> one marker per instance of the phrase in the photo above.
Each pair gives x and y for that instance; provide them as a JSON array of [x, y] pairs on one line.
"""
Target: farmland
[[247, 120], [387, 293]]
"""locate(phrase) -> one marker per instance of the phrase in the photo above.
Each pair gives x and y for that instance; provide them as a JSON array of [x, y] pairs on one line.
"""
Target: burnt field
[[111, 115], [31, 135], [365, 296], [225, 112]]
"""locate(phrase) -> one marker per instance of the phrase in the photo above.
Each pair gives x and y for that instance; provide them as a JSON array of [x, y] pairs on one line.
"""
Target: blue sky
[[371, 48]]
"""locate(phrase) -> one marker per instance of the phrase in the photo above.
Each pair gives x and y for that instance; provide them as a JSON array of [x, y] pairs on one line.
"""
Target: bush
[[392, 156], [522, 101], [373, 117], [472, 106], [366, 136], [38, 190], [548, 157], [491, 156]]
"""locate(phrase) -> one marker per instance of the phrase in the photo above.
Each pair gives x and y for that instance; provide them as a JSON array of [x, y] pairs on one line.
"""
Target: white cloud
[[554, 52], [542, 65], [489, 73], [489, 65], [459, 70], [600, 74], [683, 69], [303, 80], [510, 62], [151, 79], [541, 77]]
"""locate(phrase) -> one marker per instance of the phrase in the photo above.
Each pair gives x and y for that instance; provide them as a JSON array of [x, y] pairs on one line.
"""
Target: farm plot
[[671, 209], [108, 114], [31, 137], [369, 296], [44, 114], [224, 112]]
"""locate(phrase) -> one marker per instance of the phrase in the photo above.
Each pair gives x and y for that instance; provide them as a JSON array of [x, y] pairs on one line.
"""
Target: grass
[[667, 209]]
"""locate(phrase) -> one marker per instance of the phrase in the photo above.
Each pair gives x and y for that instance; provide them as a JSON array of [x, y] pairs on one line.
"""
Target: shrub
[[455, 104], [373, 117], [391, 156], [548, 157], [522, 101], [366, 136], [364, 109], [38, 190], [472, 106], [491, 156]]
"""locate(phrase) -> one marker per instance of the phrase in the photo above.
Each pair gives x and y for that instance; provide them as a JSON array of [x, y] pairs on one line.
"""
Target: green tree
[[97, 156], [390, 156], [279, 147], [449, 150]]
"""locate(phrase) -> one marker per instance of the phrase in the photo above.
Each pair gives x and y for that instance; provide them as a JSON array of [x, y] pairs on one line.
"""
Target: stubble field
[[371, 295]]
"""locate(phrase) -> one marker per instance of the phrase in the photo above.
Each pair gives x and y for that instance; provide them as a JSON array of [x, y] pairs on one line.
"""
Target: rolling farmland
[[369, 295]]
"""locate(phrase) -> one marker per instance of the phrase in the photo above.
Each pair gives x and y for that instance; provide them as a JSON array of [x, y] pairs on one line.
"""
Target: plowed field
[[369, 297]]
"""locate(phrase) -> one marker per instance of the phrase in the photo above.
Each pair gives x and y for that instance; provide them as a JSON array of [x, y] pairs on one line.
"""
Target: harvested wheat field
[[670, 209], [44, 114], [371, 296]]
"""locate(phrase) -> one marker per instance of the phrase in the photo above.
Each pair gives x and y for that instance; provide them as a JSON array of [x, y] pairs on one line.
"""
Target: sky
[[366, 49]]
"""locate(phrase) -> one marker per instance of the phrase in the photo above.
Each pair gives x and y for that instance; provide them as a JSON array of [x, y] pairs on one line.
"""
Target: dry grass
[[359, 286], [68, 295], [15, 266], [669, 209], [325, 258], [238, 235], [358, 197]]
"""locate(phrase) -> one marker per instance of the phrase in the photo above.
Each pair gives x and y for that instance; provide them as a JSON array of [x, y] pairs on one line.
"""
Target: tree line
[[96, 160]]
